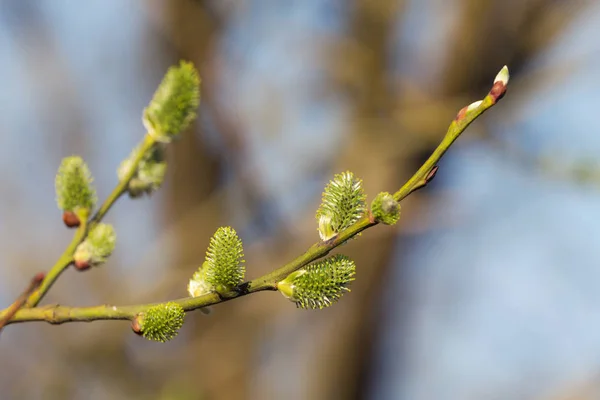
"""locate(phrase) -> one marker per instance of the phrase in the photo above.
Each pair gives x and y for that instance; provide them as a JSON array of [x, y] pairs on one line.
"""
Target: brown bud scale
[[461, 114], [39, 277], [136, 327], [431, 174], [71, 219], [498, 91], [82, 265]]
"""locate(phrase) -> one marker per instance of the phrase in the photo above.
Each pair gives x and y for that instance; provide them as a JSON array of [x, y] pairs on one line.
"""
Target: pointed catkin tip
[[503, 76]]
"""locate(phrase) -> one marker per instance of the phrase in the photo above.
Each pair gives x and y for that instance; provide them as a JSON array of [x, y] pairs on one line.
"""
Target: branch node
[[431, 174]]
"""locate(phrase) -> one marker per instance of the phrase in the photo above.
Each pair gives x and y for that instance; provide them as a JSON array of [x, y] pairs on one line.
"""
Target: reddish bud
[[498, 91], [431, 174], [82, 265], [371, 217], [136, 326], [461, 114], [71, 219], [39, 277]]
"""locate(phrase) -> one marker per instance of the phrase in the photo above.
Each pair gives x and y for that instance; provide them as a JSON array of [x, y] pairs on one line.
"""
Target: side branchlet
[[150, 172], [75, 194], [319, 285], [342, 204], [160, 323], [96, 248], [174, 104], [385, 209], [224, 268]]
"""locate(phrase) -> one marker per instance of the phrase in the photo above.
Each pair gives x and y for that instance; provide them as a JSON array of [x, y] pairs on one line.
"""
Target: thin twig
[[20, 301]]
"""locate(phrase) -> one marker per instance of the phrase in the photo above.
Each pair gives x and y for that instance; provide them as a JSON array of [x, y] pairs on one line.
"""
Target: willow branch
[[81, 233], [57, 314]]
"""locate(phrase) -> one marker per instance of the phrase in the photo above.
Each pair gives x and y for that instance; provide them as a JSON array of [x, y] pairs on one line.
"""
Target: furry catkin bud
[[385, 209], [224, 266], [150, 172], [342, 204], [160, 323], [74, 190], [174, 104], [319, 285], [96, 248]]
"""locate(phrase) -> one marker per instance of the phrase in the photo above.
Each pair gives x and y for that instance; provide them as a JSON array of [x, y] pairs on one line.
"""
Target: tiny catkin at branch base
[[60, 314]]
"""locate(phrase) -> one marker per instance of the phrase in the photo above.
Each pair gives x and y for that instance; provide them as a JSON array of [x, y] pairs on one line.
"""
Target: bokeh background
[[487, 289]]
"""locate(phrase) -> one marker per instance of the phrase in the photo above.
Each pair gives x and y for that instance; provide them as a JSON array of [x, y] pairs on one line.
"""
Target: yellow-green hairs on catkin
[[73, 185], [385, 209], [342, 204], [223, 268], [150, 172], [174, 104], [96, 248], [162, 322], [321, 284]]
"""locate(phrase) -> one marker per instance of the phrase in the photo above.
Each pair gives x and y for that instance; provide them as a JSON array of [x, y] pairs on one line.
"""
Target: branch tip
[[499, 89], [503, 76]]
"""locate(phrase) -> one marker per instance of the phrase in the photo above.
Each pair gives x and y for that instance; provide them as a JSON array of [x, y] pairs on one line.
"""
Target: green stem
[[58, 314], [457, 127], [121, 187], [316, 251], [61, 264]]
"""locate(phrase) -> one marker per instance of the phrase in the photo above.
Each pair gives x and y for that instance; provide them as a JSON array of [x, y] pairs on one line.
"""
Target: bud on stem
[[160, 323], [319, 285]]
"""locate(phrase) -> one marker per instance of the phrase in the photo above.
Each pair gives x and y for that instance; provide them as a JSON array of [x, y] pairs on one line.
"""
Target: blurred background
[[487, 289]]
